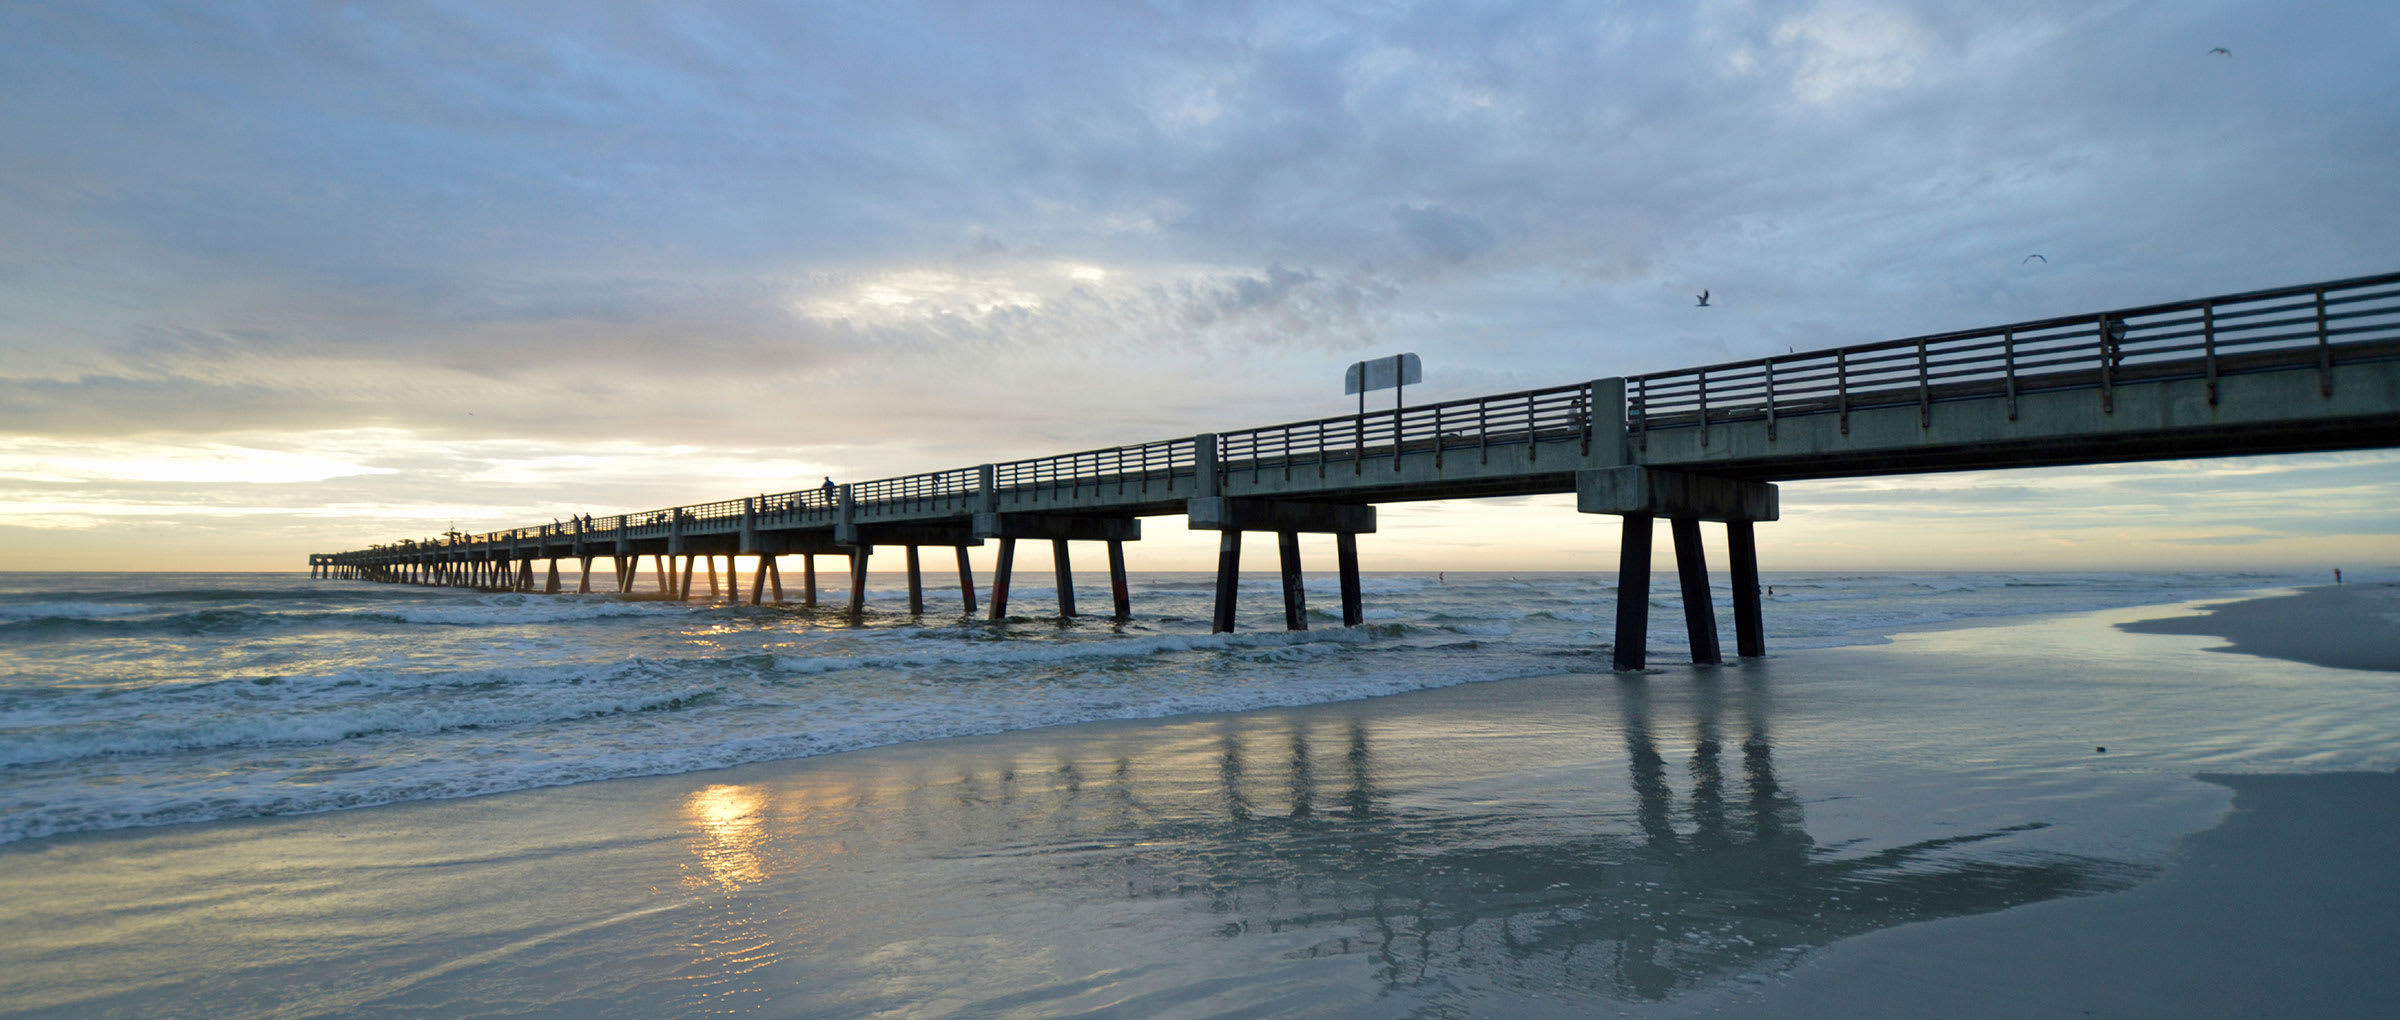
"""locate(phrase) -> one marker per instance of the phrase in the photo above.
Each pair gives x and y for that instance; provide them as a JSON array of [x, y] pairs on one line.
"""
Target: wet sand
[[2350, 626], [1922, 829]]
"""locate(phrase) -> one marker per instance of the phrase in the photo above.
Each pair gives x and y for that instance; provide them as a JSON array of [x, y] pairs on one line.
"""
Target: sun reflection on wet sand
[[732, 838]]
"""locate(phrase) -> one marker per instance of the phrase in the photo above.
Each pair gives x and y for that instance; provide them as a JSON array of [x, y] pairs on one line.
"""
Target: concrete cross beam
[[1056, 527], [1673, 494], [957, 533], [1231, 513]]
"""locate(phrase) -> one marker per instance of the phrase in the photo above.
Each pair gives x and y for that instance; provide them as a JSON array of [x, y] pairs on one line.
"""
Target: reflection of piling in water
[[1229, 772], [1707, 771], [1304, 776], [1359, 800]]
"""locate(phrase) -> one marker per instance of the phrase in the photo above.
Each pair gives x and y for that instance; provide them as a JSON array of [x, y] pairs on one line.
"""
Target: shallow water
[[145, 699]]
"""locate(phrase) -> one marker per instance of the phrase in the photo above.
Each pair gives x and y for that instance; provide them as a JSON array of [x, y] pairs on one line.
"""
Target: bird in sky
[[2222, 50], [2029, 258], [1704, 299]]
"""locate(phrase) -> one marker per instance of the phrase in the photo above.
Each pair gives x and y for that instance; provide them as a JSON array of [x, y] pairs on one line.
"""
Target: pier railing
[[1474, 425], [2313, 325], [1127, 468]]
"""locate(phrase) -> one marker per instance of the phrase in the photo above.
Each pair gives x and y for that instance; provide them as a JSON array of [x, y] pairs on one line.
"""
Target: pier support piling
[[1295, 597], [858, 582], [1288, 520], [1641, 495], [758, 580], [1699, 612], [1749, 619], [1631, 651], [1000, 571], [1116, 580], [966, 581], [1065, 574], [808, 580], [1229, 580], [916, 584], [1345, 551]]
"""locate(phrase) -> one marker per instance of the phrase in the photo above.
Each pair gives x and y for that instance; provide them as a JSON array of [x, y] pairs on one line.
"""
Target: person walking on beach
[[2337, 575]]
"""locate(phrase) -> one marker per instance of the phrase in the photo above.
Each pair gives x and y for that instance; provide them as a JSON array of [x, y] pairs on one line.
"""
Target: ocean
[[144, 699]]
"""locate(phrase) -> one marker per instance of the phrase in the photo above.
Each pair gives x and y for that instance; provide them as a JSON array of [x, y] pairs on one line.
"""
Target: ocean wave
[[333, 709], [513, 610], [1494, 629], [72, 610]]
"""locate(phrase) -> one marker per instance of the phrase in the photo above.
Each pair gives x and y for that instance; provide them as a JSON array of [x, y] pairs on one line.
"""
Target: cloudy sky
[[279, 278]]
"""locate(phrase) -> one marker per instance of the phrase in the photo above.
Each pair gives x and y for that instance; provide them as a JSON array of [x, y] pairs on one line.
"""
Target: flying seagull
[[2032, 257], [1703, 299], [2222, 50]]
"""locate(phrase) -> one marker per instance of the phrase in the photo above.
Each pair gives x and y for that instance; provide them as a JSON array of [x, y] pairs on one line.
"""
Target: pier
[[2293, 369]]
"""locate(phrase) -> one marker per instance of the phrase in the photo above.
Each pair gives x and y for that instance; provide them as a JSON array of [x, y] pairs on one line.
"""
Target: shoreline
[[2347, 626]]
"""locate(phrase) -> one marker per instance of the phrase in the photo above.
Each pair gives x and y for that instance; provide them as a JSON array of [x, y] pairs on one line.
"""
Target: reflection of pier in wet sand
[[1292, 829]]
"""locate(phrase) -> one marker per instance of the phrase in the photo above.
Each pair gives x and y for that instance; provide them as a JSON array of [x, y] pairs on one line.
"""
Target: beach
[[1929, 827]]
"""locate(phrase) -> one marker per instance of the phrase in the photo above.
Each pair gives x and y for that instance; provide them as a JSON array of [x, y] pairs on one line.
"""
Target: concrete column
[[711, 562], [758, 580], [1204, 464], [916, 585], [1633, 593], [1699, 614], [1066, 576], [1345, 550], [1229, 566], [666, 574], [858, 578], [775, 579], [966, 581], [808, 579], [1116, 580], [1295, 596], [1749, 622], [583, 580], [1000, 571], [550, 584], [684, 592]]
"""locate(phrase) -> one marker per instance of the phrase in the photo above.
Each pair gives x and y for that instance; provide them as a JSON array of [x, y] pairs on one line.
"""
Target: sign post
[[1393, 373]]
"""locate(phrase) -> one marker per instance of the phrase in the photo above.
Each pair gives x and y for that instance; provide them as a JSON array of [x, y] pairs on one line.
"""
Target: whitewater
[[148, 699]]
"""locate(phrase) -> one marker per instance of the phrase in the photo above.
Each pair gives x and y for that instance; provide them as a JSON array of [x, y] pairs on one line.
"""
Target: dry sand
[[2288, 909], [2350, 626]]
